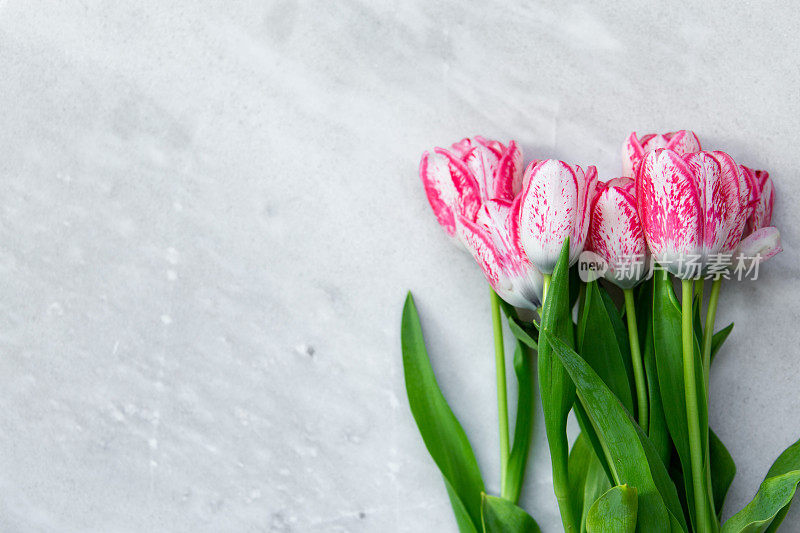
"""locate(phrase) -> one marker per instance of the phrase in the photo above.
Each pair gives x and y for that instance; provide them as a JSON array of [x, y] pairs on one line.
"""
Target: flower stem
[[692, 418], [636, 358], [708, 332], [545, 287], [502, 396]]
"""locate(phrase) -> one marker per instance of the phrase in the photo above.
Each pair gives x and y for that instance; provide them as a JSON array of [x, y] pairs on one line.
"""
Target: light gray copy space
[[210, 215]]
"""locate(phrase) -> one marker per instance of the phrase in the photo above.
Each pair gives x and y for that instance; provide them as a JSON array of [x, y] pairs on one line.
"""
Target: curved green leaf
[[518, 458], [580, 457], [657, 430], [718, 339], [598, 345], [630, 454], [723, 470], [443, 435], [502, 516], [614, 512], [772, 497], [621, 331]]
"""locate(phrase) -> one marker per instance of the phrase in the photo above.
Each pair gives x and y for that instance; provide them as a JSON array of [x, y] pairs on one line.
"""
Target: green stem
[[545, 286], [692, 418], [708, 332], [502, 396], [561, 490], [636, 358], [698, 290]]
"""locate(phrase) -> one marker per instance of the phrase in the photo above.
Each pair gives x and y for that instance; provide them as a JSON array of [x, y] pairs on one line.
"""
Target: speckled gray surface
[[211, 214]]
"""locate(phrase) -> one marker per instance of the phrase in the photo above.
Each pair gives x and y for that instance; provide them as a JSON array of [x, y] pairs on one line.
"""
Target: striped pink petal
[[467, 199], [510, 274], [616, 233], [554, 206], [764, 243], [763, 203], [587, 190], [634, 149], [716, 177], [669, 209], [435, 175]]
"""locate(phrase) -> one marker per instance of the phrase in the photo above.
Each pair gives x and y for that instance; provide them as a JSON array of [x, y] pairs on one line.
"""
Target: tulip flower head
[[693, 208], [493, 240], [555, 205], [458, 181], [616, 235], [634, 149]]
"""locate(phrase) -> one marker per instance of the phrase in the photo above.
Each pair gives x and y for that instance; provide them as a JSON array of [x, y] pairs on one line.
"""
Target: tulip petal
[[587, 189], [716, 177], [616, 233], [508, 176], [548, 212], [435, 175], [482, 247], [760, 245], [670, 209], [683, 142], [482, 163], [468, 199], [765, 199], [632, 153]]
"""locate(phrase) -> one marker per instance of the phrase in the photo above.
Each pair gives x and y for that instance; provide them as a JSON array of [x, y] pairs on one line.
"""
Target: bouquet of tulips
[[585, 274]]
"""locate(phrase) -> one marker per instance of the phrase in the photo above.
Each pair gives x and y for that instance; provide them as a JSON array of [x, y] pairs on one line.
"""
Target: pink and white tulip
[[634, 149], [458, 181], [616, 233], [493, 240], [556, 201], [693, 208]]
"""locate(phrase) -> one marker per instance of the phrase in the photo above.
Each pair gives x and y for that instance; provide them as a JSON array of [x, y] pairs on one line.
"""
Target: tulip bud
[[616, 235], [555, 205], [634, 149]]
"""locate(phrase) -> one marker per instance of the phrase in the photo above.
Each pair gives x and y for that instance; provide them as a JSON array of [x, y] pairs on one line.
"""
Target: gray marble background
[[211, 214]]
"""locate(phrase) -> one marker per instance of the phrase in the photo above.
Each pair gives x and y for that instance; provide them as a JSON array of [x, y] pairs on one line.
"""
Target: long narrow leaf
[[723, 470], [443, 435], [518, 459], [632, 457], [598, 345], [657, 430]]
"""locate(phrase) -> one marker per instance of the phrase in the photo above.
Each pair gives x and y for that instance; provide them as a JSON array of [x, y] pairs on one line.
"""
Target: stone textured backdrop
[[211, 214]]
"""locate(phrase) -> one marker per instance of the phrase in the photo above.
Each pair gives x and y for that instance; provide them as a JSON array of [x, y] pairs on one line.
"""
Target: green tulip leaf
[[502, 516], [587, 478], [598, 345], [771, 503], [630, 454], [614, 512], [443, 435], [518, 458], [657, 430], [723, 470], [718, 339]]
